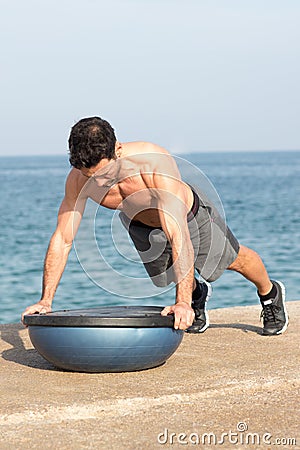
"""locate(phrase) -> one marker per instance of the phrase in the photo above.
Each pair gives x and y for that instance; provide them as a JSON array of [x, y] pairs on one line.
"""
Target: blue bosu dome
[[105, 339]]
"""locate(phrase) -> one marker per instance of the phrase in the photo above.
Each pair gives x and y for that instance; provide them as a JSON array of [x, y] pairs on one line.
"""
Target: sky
[[192, 76]]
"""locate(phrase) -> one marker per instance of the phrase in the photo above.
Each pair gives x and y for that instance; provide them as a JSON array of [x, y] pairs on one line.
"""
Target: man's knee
[[244, 257]]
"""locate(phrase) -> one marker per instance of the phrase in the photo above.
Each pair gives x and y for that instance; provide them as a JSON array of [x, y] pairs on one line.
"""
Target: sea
[[257, 192]]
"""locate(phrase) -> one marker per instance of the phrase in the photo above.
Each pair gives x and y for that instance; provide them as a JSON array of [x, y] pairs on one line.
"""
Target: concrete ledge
[[229, 377]]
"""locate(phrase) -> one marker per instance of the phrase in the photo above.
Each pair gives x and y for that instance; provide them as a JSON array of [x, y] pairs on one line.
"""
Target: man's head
[[91, 140]]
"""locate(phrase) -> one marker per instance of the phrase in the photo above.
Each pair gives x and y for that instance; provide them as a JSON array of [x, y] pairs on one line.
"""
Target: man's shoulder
[[144, 147], [151, 159], [74, 182], [147, 155], [73, 176]]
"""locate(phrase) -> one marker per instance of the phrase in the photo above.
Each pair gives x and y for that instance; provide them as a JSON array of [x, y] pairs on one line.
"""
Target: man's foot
[[274, 314], [201, 321]]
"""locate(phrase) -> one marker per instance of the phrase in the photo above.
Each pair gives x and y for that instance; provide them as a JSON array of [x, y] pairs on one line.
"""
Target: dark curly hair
[[91, 140]]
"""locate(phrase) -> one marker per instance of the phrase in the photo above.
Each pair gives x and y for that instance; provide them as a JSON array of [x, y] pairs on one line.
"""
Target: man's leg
[[250, 265], [271, 293]]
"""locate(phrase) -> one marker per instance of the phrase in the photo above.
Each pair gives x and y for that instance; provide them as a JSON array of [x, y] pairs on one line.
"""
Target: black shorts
[[215, 246]]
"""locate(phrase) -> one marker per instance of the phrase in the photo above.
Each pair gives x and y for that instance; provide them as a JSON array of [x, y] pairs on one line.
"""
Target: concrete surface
[[226, 380]]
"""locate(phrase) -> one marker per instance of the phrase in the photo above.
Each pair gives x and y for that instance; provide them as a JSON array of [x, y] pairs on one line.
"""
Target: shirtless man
[[142, 181]]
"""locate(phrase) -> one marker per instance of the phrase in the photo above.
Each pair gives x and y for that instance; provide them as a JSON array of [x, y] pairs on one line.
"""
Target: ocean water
[[259, 193]]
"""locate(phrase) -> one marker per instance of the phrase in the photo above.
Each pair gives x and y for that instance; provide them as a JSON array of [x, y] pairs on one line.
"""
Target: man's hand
[[41, 307], [184, 315]]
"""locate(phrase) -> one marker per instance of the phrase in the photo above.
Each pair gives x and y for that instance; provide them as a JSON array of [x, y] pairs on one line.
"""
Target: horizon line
[[172, 152]]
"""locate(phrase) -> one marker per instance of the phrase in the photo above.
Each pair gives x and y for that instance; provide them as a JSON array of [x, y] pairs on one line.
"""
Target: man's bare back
[[133, 182]]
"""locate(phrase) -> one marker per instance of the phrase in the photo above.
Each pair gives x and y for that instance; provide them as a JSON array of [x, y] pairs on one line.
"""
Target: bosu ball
[[105, 339]]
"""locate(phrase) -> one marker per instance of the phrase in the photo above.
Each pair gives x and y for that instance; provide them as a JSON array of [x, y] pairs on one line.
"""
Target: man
[[174, 227]]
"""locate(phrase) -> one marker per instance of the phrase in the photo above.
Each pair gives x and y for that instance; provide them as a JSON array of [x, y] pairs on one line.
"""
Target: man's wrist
[[184, 302], [46, 301]]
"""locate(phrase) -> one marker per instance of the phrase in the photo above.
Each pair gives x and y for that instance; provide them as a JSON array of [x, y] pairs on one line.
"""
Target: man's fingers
[[181, 322], [27, 312], [190, 318], [178, 322], [35, 309], [167, 310], [170, 310], [183, 318]]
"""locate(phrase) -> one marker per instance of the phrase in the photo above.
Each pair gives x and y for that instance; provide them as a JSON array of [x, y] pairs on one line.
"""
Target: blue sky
[[194, 75]]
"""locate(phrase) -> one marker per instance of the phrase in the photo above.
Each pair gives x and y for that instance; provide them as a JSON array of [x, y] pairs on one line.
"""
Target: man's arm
[[69, 217], [171, 194], [174, 224]]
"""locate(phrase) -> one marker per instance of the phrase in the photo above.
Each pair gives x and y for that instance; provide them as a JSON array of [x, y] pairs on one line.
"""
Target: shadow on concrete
[[246, 328], [19, 354], [31, 358]]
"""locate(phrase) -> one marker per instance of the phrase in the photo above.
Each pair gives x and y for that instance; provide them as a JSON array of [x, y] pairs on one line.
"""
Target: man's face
[[104, 174], [91, 171]]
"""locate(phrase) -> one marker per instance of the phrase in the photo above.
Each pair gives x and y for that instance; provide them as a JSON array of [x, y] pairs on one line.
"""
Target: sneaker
[[274, 313], [201, 321]]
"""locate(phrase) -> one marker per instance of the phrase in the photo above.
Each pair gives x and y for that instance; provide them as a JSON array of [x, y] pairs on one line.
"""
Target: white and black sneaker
[[201, 321], [274, 313]]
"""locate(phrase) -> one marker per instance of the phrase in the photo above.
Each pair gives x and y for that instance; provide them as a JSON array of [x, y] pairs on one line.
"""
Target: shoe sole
[[282, 286]]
